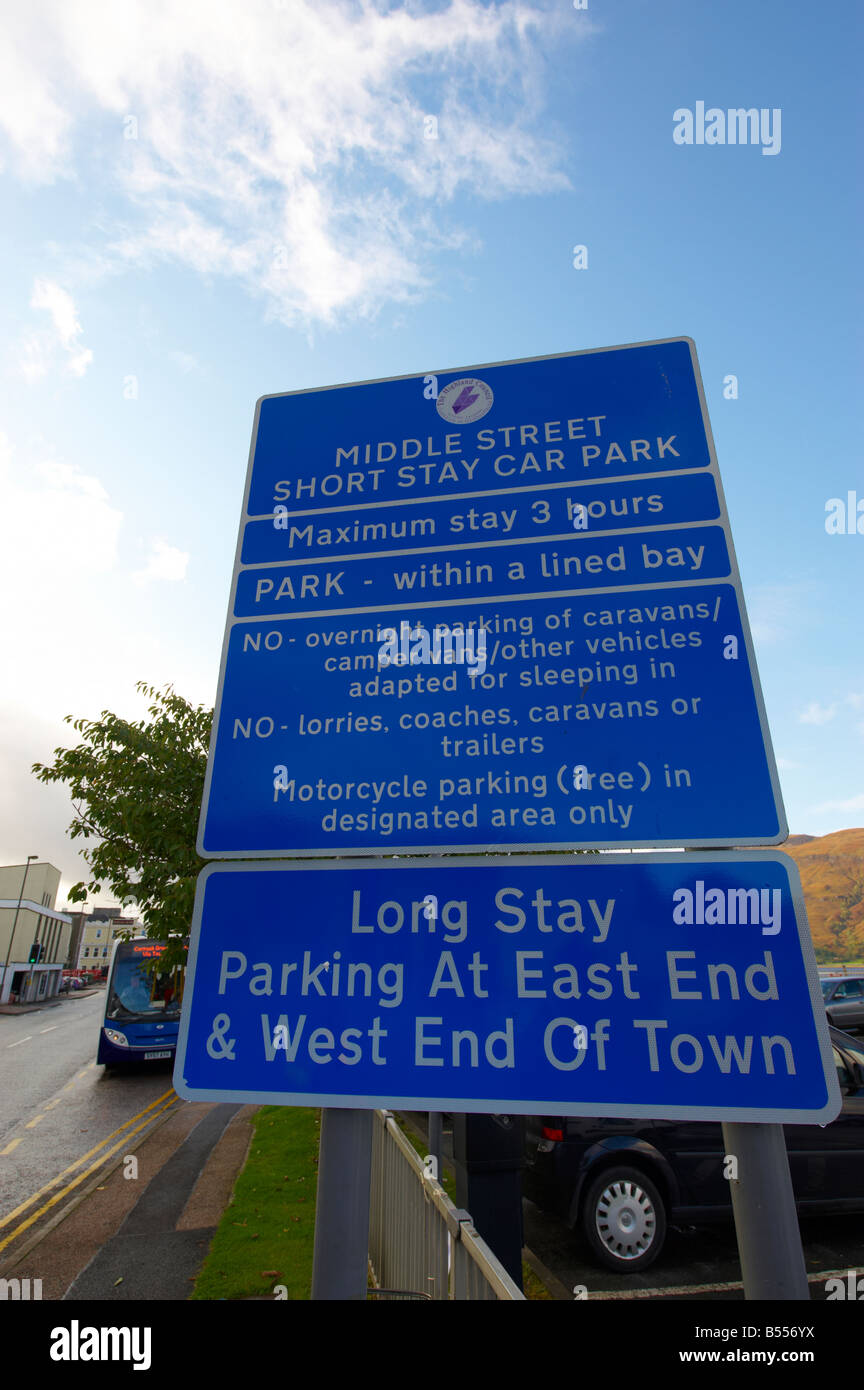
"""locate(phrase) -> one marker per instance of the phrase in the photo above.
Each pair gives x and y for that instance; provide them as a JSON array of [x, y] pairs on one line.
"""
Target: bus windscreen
[[137, 992]]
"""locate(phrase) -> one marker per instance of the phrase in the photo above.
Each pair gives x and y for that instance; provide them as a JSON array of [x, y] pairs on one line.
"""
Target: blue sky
[[201, 209]]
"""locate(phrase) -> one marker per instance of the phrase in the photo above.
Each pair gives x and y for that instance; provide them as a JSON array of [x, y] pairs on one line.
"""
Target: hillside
[[832, 875]]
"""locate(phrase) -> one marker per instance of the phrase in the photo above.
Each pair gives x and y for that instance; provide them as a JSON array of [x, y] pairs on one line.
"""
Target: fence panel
[[420, 1244]]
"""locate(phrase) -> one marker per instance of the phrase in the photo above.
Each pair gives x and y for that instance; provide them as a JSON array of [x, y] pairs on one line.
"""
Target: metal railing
[[420, 1244]]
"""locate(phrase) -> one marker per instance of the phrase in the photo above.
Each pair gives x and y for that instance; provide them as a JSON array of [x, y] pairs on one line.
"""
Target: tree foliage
[[136, 788]]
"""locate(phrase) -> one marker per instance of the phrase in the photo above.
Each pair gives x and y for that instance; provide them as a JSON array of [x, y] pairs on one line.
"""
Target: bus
[[142, 1007]]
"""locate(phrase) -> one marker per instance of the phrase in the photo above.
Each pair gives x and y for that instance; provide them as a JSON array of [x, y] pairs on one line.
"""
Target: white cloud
[[853, 803], [283, 144], [186, 361], [74, 616], [776, 610], [40, 350], [856, 700], [165, 562], [78, 632], [56, 524], [817, 714], [823, 714], [34, 121]]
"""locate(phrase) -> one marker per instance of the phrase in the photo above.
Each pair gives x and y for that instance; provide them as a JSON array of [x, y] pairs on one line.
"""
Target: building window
[[104, 950]]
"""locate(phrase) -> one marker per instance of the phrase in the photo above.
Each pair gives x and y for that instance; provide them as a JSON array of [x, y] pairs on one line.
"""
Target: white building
[[30, 925], [98, 936]]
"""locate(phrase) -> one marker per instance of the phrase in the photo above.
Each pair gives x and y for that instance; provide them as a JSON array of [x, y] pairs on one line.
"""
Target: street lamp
[[15, 922]]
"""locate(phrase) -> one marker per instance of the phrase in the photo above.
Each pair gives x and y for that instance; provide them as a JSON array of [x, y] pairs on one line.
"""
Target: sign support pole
[[340, 1261], [766, 1223], [436, 1140]]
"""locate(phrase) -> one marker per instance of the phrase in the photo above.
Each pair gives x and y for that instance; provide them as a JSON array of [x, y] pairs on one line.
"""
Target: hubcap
[[626, 1220]]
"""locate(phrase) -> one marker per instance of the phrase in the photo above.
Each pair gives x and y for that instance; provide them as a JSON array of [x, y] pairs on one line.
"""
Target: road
[[59, 1110]]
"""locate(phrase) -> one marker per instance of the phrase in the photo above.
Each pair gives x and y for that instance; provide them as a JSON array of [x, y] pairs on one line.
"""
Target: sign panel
[[667, 985], [500, 616]]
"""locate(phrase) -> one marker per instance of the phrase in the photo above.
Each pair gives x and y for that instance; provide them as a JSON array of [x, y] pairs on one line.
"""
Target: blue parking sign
[[495, 607], [665, 985]]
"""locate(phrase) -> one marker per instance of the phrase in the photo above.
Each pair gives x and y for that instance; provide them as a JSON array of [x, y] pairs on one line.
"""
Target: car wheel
[[624, 1219]]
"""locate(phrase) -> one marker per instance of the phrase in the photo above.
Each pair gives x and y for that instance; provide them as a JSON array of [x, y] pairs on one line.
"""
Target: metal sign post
[[341, 1259], [766, 1223], [436, 1141]]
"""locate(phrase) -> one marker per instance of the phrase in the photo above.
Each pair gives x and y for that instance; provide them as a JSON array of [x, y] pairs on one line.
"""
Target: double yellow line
[[138, 1122]]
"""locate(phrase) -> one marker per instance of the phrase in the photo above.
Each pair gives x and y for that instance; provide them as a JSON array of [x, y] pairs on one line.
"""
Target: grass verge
[[266, 1235], [532, 1287]]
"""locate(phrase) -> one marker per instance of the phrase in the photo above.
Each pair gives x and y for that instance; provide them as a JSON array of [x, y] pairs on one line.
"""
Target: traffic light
[[35, 953]]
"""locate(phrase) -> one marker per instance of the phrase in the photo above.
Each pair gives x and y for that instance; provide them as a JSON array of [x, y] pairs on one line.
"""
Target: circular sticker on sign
[[464, 401]]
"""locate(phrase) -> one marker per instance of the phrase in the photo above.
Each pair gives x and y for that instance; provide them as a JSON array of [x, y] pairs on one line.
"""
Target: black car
[[844, 1001], [623, 1181]]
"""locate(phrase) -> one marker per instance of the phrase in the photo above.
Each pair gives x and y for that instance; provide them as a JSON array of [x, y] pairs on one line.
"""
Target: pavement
[[37, 1005], [143, 1238]]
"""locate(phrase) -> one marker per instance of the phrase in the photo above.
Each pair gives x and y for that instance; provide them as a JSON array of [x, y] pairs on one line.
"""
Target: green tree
[[137, 788]]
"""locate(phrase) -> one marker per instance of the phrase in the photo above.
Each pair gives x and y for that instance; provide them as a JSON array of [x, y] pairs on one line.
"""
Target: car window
[[827, 986], [844, 1080], [856, 1053], [849, 989]]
